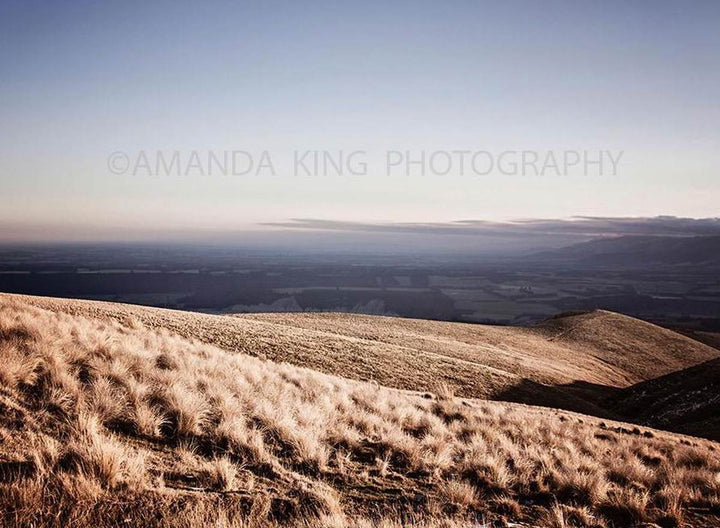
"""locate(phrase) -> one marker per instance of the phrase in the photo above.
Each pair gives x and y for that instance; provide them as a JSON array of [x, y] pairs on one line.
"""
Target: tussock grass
[[103, 420], [536, 365]]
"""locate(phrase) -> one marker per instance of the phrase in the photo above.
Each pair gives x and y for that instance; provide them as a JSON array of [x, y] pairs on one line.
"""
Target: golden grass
[[106, 423], [475, 361]]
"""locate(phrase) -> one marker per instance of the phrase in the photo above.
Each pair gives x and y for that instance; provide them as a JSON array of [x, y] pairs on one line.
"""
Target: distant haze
[[307, 235]]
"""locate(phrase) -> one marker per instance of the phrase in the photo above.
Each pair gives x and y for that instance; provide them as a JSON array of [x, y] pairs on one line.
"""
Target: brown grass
[[528, 365], [111, 424]]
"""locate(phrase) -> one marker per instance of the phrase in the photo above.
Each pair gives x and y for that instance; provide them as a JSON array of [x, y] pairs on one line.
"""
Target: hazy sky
[[82, 80]]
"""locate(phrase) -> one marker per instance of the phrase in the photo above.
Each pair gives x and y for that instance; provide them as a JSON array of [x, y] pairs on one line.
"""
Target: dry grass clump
[[92, 455], [568, 516], [222, 473], [104, 420]]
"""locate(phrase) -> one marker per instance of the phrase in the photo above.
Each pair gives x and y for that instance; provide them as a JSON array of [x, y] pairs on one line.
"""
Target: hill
[[106, 422], [569, 362], [634, 251], [686, 401]]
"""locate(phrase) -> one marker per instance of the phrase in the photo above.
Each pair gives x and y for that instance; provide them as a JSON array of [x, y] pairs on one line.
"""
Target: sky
[[91, 92]]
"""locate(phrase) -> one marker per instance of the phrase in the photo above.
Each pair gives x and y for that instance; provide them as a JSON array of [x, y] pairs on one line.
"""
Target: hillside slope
[[570, 363], [597, 347], [109, 423], [686, 401]]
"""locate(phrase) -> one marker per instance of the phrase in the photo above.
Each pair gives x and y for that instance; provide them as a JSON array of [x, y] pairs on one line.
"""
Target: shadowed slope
[[686, 401]]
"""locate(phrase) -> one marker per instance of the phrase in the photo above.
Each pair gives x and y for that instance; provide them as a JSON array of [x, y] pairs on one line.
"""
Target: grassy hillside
[[686, 401], [570, 362], [105, 421]]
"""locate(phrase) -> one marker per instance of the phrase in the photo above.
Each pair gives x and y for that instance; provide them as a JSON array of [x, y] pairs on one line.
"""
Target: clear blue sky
[[80, 80]]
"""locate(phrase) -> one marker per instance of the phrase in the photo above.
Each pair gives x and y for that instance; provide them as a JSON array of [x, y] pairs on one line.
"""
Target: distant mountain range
[[635, 251]]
